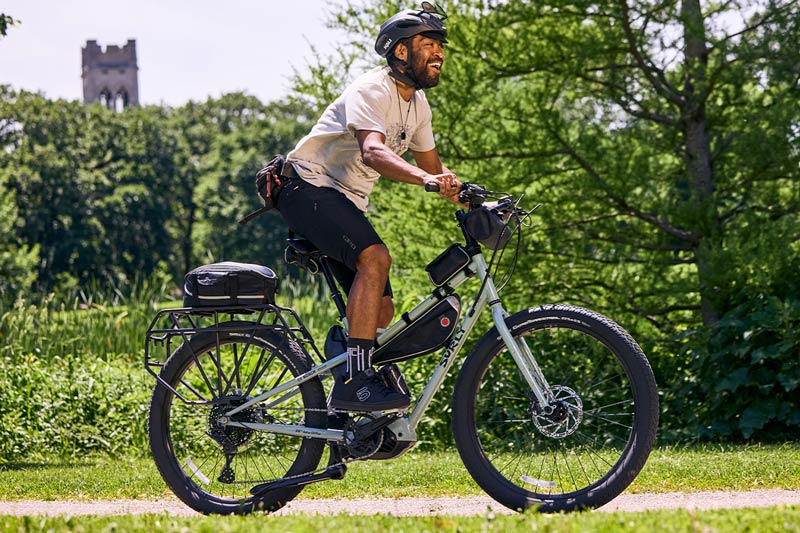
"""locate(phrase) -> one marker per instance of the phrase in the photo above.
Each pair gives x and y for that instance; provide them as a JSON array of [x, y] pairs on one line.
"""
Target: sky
[[186, 50]]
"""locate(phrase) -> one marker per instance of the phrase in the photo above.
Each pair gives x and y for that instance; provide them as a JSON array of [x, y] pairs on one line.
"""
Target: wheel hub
[[233, 437], [562, 416]]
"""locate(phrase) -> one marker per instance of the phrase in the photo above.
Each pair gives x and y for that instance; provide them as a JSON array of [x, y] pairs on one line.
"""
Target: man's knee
[[375, 259]]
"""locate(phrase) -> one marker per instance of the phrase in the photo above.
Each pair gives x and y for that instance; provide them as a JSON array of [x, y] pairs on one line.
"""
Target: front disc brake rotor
[[562, 416]]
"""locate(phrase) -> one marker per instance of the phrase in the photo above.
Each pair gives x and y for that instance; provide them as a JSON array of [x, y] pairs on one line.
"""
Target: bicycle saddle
[[303, 254]]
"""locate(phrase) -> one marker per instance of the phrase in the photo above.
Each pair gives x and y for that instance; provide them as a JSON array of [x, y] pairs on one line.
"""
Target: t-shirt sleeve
[[366, 109], [422, 140]]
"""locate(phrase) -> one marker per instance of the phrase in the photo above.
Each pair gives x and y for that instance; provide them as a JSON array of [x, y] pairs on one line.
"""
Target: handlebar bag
[[487, 227], [229, 283]]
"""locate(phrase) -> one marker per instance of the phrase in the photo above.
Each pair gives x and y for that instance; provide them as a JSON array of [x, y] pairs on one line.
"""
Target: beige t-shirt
[[329, 155]]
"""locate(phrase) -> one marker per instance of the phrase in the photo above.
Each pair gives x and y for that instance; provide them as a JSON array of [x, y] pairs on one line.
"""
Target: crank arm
[[333, 472]]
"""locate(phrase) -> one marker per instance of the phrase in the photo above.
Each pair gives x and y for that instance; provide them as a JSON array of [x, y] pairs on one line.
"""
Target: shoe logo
[[362, 394]]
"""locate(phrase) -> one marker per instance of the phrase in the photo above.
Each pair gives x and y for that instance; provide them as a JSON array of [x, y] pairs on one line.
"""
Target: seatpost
[[336, 294]]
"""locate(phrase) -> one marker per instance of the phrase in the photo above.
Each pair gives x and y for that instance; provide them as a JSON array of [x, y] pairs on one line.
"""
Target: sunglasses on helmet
[[433, 14]]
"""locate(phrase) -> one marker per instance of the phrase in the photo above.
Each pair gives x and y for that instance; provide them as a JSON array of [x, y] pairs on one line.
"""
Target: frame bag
[[427, 334], [447, 264]]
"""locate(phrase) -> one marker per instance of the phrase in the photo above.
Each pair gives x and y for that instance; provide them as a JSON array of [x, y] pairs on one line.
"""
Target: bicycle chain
[[326, 467]]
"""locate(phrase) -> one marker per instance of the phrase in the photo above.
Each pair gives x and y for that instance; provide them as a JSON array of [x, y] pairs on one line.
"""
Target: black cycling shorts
[[332, 223]]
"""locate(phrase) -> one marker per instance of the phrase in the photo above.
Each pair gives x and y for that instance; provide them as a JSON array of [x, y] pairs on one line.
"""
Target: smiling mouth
[[436, 66]]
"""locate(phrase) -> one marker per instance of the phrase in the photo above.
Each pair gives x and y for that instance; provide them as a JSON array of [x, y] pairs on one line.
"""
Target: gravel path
[[472, 505]]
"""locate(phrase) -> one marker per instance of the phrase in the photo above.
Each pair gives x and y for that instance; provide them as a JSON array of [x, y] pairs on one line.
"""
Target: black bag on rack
[[229, 283]]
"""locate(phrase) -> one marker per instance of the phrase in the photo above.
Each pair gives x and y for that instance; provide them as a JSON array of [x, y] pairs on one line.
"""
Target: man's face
[[427, 57]]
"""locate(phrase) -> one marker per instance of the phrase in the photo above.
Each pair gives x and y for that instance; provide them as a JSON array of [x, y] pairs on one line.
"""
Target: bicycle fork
[[518, 348]]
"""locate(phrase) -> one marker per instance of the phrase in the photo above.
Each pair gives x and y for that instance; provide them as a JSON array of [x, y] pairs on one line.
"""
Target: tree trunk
[[699, 160]]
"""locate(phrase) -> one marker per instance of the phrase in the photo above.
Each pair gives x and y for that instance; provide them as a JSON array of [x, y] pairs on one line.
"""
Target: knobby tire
[[580, 460]]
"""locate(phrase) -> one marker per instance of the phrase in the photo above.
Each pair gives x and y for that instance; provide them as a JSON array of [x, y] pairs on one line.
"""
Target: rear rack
[[172, 327]]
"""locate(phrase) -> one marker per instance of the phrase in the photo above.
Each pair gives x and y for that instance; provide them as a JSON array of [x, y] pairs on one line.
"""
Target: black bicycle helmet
[[409, 23]]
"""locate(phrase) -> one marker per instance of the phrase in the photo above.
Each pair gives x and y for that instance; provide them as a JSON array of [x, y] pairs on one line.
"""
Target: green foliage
[[662, 145], [749, 362], [5, 22], [91, 186], [661, 142], [684, 469], [770, 519], [113, 196], [99, 325], [17, 260], [70, 407], [222, 144]]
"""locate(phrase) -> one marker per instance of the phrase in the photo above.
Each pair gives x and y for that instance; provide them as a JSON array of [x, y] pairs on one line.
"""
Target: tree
[[17, 260], [661, 138], [110, 196], [5, 22], [224, 142], [91, 187], [638, 106]]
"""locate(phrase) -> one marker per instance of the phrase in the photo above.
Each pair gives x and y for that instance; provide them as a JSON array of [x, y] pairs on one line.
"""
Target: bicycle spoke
[[257, 375]]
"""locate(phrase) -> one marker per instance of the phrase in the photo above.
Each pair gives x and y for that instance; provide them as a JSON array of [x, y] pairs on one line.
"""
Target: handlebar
[[471, 193], [475, 195]]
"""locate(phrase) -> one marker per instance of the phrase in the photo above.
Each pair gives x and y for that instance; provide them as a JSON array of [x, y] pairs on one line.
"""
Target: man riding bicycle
[[360, 137]]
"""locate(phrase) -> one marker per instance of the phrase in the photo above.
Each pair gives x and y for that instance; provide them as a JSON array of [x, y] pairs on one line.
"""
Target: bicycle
[[555, 407]]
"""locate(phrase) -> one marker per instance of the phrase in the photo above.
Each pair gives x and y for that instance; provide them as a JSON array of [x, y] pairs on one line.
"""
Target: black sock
[[359, 355]]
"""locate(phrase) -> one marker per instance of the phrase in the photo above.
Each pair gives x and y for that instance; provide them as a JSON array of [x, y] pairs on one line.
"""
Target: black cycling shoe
[[365, 392]]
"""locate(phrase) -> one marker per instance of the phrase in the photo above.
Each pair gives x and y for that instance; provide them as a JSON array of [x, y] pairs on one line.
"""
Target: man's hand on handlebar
[[446, 185]]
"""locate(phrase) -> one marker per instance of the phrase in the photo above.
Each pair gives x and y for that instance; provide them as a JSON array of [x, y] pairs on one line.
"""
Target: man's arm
[[379, 157]]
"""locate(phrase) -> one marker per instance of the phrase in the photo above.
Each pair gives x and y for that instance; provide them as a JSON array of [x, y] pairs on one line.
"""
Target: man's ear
[[401, 51]]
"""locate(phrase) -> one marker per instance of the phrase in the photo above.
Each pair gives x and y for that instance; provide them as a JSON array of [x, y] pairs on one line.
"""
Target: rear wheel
[[210, 467], [592, 438]]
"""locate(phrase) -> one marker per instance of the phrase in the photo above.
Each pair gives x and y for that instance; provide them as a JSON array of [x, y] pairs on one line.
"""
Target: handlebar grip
[[432, 186]]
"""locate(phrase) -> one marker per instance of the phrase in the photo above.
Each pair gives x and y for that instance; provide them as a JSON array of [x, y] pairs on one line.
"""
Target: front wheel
[[588, 443]]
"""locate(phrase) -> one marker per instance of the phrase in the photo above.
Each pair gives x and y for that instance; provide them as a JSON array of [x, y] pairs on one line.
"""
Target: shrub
[[746, 372], [68, 406]]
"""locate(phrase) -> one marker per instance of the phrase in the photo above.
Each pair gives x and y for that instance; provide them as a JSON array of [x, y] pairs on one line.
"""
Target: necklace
[[400, 110]]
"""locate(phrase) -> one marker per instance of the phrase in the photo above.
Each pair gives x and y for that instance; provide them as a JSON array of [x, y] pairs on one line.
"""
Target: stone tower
[[111, 76]]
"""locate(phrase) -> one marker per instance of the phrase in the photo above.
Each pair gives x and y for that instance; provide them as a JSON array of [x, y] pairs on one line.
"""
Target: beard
[[426, 76]]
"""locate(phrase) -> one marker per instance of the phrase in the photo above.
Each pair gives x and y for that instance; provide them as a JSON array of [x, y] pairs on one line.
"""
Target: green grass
[[688, 469], [763, 520], [727, 467]]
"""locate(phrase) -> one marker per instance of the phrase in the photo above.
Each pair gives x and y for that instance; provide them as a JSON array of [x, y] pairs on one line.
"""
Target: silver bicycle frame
[[518, 348]]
